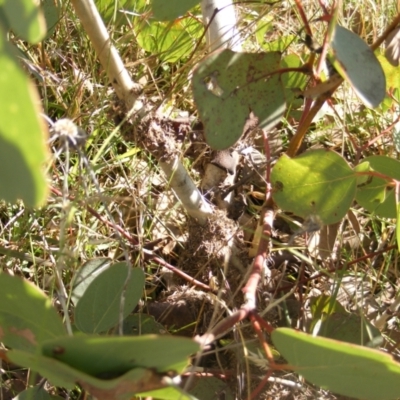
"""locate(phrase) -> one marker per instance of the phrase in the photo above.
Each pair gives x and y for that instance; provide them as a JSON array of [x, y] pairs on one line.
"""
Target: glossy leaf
[[343, 368], [99, 308], [22, 134], [27, 316], [357, 63], [99, 356], [316, 183], [25, 19], [169, 10], [227, 86], [376, 195]]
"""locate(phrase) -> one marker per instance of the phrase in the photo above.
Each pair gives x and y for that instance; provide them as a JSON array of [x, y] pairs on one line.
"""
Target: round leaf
[[228, 86], [343, 368], [86, 275], [357, 63], [375, 195], [99, 308], [318, 182]]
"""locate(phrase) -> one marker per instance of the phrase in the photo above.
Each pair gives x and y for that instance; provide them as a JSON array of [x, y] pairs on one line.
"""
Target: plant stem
[[128, 91], [222, 32]]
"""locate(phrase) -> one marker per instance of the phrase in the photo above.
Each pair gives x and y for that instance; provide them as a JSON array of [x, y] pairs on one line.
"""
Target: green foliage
[[22, 132], [344, 368], [27, 317], [171, 41], [36, 393], [25, 19], [121, 365], [318, 182], [108, 356], [335, 322], [375, 194], [357, 63], [228, 85], [205, 388], [167, 11], [98, 308], [52, 14]]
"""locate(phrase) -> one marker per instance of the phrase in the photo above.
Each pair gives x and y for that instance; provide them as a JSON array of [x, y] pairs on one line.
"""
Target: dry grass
[[124, 186]]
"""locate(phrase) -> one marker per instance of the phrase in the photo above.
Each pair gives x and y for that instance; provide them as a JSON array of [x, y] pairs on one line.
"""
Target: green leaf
[[86, 274], [110, 385], [99, 308], [171, 42], [318, 182], [169, 393], [142, 324], [36, 393], [228, 86], [22, 140], [343, 368], [349, 327], [205, 388], [357, 63], [321, 306], [398, 226], [113, 13], [169, 10], [375, 195], [25, 19], [391, 73], [27, 317], [98, 356], [52, 14]]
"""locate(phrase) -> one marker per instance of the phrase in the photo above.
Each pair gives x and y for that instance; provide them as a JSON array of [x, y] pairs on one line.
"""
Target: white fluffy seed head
[[68, 133]]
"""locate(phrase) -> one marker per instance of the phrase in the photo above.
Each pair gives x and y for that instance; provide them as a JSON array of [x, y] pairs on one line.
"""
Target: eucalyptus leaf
[[357, 63], [36, 393], [85, 275], [376, 194], [170, 41], [341, 367], [23, 134], [26, 19], [110, 385], [317, 183], [168, 11], [99, 307], [114, 355], [27, 316], [52, 14], [228, 87]]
